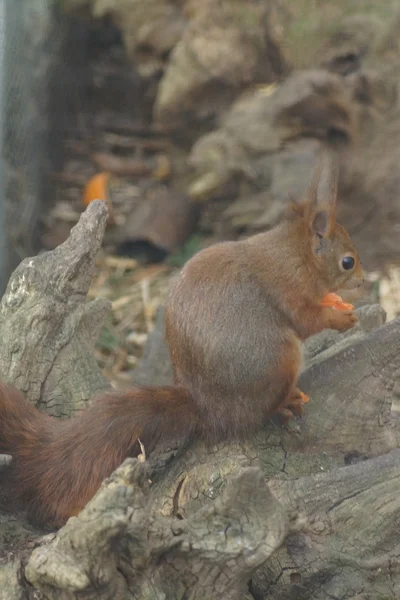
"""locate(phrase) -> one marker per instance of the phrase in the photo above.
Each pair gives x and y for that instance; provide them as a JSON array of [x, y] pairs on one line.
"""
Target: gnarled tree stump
[[310, 513]]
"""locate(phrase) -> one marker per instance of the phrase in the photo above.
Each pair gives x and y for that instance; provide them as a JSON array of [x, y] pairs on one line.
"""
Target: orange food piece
[[97, 189], [335, 301], [304, 398]]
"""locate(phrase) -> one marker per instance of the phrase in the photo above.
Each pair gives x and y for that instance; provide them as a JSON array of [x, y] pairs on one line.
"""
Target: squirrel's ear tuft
[[293, 209], [323, 197]]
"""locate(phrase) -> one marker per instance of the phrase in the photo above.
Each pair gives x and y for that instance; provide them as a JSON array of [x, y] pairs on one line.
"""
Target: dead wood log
[[120, 546], [209, 525], [48, 329]]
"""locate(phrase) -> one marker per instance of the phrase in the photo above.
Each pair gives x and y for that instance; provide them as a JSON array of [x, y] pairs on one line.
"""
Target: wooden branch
[[48, 331], [351, 547], [352, 395], [119, 545]]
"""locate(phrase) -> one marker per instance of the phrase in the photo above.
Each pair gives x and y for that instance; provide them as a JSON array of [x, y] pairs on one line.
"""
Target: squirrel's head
[[334, 255]]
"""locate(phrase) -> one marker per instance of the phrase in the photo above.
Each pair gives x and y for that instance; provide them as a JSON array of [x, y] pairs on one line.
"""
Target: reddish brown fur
[[234, 321]]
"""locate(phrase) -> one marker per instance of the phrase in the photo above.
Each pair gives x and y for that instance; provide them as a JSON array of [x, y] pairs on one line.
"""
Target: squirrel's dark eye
[[348, 263]]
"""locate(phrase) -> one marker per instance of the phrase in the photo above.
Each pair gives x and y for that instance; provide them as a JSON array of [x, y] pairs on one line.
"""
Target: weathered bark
[[47, 328], [209, 525]]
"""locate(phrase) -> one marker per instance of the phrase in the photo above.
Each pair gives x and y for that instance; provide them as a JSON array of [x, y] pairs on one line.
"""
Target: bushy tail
[[59, 465], [22, 426]]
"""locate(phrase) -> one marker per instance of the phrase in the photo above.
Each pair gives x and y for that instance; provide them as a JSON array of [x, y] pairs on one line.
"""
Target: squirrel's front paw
[[342, 320]]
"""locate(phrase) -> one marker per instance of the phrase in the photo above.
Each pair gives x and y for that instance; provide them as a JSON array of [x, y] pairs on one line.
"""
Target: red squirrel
[[234, 322]]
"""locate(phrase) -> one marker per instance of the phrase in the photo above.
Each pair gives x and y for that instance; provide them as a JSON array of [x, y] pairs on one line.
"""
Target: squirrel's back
[[228, 335]]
